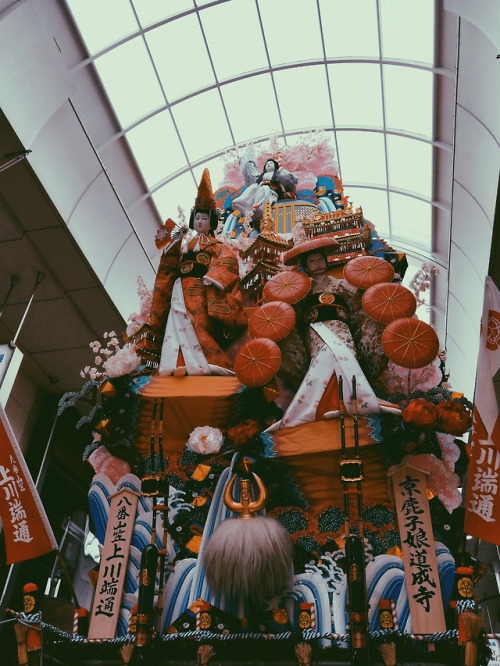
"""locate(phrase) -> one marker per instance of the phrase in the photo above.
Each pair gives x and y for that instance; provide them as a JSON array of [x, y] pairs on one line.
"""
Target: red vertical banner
[[28, 533], [482, 507]]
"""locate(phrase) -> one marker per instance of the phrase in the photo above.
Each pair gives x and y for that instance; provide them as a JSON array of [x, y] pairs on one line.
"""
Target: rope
[[307, 635]]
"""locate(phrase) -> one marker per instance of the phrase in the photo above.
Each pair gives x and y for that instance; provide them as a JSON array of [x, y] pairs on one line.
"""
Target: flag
[[482, 508], [28, 533]]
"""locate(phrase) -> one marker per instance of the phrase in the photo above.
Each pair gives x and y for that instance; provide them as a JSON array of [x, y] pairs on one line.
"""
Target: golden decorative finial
[[267, 222], [246, 506]]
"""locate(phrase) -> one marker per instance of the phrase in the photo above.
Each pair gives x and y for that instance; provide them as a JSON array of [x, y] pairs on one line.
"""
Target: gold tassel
[[303, 651], [473, 623], [205, 653], [126, 652], [22, 651], [388, 652]]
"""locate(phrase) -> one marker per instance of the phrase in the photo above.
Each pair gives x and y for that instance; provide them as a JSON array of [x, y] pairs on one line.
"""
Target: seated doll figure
[[326, 314], [196, 295], [273, 184]]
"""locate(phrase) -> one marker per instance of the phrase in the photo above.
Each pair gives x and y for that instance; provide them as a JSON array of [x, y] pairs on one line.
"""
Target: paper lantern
[[289, 287], [410, 343], [364, 272], [388, 301], [272, 320], [257, 362]]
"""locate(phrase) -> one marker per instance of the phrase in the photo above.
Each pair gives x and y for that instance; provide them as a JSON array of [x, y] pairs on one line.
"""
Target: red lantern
[[410, 343]]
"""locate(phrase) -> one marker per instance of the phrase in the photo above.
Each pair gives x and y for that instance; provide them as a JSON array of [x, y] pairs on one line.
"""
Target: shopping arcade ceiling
[[188, 81]]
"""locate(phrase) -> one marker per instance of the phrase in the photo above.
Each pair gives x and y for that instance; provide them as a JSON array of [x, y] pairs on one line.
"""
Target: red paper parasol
[[410, 343], [364, 272], [388, 301], [289, 287], [272, 320], [257, 362], [326, 243]]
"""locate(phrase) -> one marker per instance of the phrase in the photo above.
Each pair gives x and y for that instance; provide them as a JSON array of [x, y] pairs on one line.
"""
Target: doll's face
[[201, 223], [315, 264], [269, 165]]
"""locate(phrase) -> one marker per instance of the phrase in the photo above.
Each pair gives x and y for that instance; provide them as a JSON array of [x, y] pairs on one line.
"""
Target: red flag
[[482, 509], [28, 533]]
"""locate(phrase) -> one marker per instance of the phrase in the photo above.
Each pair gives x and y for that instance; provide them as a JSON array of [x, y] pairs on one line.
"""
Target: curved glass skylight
[[189, 80]]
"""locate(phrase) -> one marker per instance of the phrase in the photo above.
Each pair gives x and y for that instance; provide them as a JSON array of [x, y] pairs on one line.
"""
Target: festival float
[[278, 453]]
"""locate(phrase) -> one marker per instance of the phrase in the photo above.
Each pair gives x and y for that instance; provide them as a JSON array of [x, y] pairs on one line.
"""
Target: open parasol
[[272, 320], [288, 286], [388, 301], [364, 272], [410, 343], [257, 362]]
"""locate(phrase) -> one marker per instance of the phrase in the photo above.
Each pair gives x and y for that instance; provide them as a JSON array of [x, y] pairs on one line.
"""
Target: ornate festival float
[[278, 453]]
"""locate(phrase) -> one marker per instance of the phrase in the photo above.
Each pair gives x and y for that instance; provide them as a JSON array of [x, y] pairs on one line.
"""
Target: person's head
[[314, 263], [203, 221], [271, 165]]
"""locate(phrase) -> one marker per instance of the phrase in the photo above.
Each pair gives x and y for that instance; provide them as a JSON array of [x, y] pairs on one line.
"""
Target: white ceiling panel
[[407, 30], [301, 40], [156, 146], [180, 192], [203, 125], [181, 57], [409, 163], [411, 222], [360, 38], [303, 96], [151, 12], [130, 80], [408, 99], [356, 94], [362, 157], [241, 99], [103, 23], [244, 54]]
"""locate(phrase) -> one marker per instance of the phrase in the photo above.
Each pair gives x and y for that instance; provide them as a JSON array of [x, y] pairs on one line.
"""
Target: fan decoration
[[288, 286], [364, 272], [410, 343], [291, 257], [272, 320], [257, 362], [388, 301]]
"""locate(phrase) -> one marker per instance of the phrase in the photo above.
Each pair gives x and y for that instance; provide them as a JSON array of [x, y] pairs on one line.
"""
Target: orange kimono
[[197, 295]]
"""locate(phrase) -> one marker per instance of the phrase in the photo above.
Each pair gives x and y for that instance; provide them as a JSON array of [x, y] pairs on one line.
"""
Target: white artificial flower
[[122, 363], [205, 440]]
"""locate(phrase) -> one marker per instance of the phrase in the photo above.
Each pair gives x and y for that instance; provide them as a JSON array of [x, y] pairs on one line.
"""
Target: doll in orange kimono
[[196, 295]]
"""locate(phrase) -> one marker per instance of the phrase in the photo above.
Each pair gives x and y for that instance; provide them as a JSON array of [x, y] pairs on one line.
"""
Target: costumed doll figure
[[272, 184], [197, 294], [327, 314]]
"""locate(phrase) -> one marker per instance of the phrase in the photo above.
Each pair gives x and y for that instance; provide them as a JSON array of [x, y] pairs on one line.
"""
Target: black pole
[[351, 474]]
